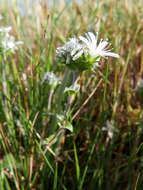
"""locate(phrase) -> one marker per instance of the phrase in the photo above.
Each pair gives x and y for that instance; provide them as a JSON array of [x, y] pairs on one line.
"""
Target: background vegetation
[[104, 150]]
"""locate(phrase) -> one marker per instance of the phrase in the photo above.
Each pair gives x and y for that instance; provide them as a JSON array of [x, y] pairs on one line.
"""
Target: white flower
[[9, 43], [71, 49], [84, 53], [5, 29], [94, 50], [73, 88], [109, 127], [51, 78], [139, 86]]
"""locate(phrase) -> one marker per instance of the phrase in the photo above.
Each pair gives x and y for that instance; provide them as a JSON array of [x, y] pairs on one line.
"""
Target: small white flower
[[51, 78], [139, 86], [84, 52], [71, 49], [94, 50], [110, 128], [5, 29], [140, 83], [9, 43], [73, 88]]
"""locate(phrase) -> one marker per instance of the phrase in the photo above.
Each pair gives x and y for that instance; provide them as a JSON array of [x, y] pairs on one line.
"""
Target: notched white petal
[[76, 56], [94, 50], [111, 54]]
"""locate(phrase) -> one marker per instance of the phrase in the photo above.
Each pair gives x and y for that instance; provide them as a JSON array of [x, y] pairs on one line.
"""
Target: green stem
[[68, 79]]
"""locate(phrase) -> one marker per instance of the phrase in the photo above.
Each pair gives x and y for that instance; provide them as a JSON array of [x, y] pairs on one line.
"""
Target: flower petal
[[84, 40], [76, 56], [110, 54]]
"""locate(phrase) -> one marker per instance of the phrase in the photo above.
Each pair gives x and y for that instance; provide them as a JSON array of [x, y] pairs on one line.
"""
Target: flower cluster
[[71, 50], [7, 41], [84, 53]]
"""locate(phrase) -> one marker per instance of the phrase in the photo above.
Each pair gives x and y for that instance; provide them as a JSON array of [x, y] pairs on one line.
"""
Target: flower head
[[84, 53], [71, 50], [5, 29], [109, 127], [51, 78], [139, 84], [94, 50], [73, 89], [7, 41]]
